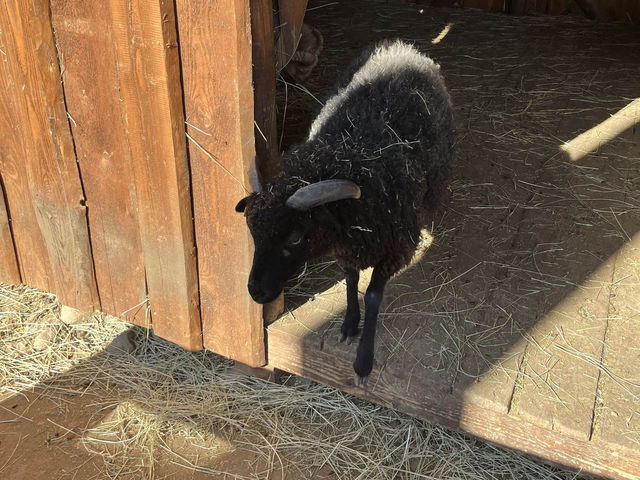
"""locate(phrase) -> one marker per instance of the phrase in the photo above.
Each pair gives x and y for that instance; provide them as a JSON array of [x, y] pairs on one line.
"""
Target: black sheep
[[361, 186]]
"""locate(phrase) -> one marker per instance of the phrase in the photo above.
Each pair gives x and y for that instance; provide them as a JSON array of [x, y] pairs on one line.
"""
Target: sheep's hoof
[[347, 339], [361, 381]]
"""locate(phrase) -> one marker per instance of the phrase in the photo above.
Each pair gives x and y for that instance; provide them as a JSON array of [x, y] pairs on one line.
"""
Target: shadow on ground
[[527, 301]]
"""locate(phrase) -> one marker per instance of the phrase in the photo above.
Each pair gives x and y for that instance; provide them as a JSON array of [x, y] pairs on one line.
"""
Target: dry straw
[[164, 397], [526, 223]]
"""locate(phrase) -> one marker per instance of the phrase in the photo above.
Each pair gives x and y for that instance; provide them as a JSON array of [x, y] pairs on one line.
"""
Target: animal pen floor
[[521, 323]]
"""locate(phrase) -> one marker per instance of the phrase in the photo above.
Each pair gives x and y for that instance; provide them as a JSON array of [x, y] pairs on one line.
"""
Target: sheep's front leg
[[372, 300], [349, 327]]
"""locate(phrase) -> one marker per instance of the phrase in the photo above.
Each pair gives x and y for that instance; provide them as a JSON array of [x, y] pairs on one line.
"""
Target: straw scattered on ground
[[160, 398], [535, 206]]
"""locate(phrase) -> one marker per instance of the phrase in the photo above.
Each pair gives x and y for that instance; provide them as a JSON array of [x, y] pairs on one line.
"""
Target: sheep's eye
[[294, 239]]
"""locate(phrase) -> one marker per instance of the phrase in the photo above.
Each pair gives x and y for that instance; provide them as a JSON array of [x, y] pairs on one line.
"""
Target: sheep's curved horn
[[322, 192]]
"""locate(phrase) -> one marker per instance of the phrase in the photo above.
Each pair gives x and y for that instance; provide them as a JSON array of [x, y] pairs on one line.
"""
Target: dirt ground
[[41, 439], [86, 396], [75, 395], [527, 301]]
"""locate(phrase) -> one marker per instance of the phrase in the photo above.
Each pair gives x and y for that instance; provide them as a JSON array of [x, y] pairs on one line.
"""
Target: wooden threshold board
[[504, 406]]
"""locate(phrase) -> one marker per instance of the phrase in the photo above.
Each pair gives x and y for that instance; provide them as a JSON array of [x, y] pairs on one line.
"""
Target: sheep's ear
[[242, 204], [322, 192]]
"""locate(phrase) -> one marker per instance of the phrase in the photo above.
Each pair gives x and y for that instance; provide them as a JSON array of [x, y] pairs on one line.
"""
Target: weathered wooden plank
[[558, 388], [36, 268], [39, 169], [298, 353], [558, 7], [264, 109], [617, 406], [9, 272], [537, 6], [86, 46], [291, 14], [517, 7], [149, 80], [31, 248], [264, 85], [219, 102]]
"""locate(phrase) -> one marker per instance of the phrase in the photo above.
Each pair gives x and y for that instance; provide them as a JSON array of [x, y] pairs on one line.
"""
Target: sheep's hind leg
[[364, 357], [349, 327]]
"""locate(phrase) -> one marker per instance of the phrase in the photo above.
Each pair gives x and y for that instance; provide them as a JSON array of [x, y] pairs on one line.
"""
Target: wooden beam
[[9, 272], [39, 168], [291, 14], [303, 355], [219, 111], [558, 389], [36, 269], [264, 85], [619, 381], [149, 80], [89, 64], [264, 110], [558, 7], [517, 7]]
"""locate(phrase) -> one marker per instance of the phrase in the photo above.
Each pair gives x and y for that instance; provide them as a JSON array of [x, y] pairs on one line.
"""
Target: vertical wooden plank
[[264, 110], [291, 13], [517, 7], [149, 73], [10, 149], [36, 268], [9, 272], [87, 51], [537, 6], [558, 7], [264, 85], [38, 162], [219, 106]]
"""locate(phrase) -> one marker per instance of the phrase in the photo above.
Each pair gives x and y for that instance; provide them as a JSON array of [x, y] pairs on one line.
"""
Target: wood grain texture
[[38, 161], [36, 268], [9, 272], [264, 85], [619, 377], [517, 7], [149, 80], [558, 7], [302, 355], [264, 109], [291, 13], [219, 110], [87, 49], [558, 387]]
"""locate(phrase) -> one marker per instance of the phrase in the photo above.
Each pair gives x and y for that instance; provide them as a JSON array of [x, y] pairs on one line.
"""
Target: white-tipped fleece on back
[[385, 61]]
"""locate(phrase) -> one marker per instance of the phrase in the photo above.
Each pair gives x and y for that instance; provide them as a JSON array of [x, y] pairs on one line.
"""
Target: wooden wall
[[605, 10], [108, 199]]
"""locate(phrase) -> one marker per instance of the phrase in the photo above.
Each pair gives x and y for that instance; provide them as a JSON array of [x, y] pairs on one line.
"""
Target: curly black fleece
[[389, 129]]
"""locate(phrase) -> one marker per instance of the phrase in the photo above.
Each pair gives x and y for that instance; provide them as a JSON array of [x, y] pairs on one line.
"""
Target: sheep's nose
[[253, 290]]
